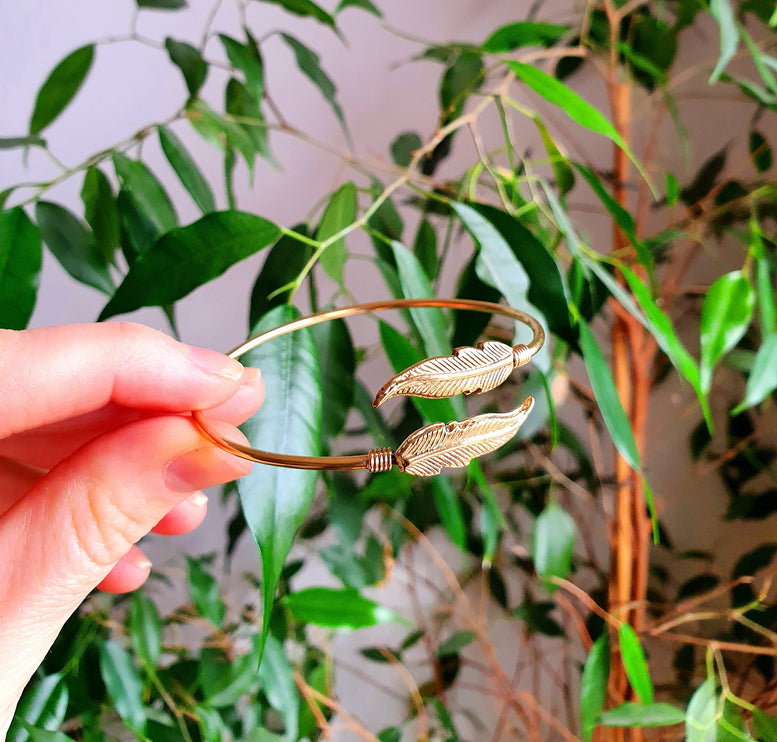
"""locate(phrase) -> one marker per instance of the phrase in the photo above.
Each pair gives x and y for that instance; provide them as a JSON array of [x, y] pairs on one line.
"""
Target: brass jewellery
[[434, 447]]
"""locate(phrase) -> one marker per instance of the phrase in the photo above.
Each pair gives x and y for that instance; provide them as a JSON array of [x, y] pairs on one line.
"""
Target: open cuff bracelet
[[467, 370]]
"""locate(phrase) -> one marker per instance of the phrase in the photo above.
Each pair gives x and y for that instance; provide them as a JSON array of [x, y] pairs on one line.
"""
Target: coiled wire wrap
[[380, 459]]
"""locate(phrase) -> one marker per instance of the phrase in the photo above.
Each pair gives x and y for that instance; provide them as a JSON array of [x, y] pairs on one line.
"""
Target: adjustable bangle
[[440, 445]]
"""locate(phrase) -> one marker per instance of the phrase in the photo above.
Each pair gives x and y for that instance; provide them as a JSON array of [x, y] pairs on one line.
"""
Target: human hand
[[96, 450]]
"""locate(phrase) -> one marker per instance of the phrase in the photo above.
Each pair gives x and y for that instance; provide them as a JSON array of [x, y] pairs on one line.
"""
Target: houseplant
[[528, 526]]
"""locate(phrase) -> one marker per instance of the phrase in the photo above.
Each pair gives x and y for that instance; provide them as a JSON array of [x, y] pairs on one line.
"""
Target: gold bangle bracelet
[[439, 445]]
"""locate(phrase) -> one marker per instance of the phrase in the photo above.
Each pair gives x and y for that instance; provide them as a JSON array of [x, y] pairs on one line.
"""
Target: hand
[[96, 450]]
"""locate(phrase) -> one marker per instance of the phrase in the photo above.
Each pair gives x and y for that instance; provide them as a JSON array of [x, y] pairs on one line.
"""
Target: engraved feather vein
[[438, 446], [468, 370]]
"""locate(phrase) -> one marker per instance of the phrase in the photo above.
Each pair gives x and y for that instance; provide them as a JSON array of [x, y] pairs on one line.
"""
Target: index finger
[[54, 373]]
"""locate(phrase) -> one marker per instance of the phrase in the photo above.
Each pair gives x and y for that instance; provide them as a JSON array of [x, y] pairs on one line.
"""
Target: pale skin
[[97, 449]]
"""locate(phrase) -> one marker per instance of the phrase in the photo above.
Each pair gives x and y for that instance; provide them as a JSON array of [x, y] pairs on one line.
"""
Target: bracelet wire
[[381, 459]]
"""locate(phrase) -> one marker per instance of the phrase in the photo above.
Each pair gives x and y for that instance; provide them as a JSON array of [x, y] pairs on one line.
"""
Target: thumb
[[64, 536]]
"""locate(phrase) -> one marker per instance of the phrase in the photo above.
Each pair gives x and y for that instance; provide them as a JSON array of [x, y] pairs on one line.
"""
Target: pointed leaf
[[725, 317], [189, 60], [635, 664], [60, 87], [145, 628], [101, 211], [430, 322], [337, 361], [702, 713], [305, 8], [340, 212], [764, 725], [523, 33], [553, 544], [763, 375], [205, 593], [760, 151], [20, 264], [162, 4], [363, 4], [723, 13], [446, 501], [151, 197], [593, 685], [309, 65], [43, 705], [246, 108], [29, 141], [276, 676], [123, 685], [337, 609], [275, 501], [73, 245], [565, 178], [186, 170], [606, 395], [188, 257], [248, 59], [637, 715]]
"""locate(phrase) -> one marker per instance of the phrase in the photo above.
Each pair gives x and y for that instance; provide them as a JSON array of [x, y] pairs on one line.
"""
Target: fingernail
[[204, 467], [250, 376], [215, 363], [142, 564], [198, 499]]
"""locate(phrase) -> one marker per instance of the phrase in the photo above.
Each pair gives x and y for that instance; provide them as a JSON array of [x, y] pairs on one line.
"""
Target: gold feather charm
[[467, 371], [454, 444]]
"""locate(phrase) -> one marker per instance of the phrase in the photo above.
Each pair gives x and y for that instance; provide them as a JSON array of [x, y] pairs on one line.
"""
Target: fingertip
[[245, 402], [128, 574], [184, 517]]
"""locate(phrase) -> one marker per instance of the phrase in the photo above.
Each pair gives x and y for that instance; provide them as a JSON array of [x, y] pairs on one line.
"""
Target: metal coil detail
[[380, 459], [521, 355]]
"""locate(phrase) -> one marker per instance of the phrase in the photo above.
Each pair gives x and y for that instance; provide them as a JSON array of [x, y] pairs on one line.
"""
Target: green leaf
[[546, 287], [403, 147], [43, 735], [337, 361], [425, 249], [537, 618], [189, 60], [672, 190], [764, 725], [498, 266], [225, 679], [162, 4], [60, 87], [188, 257], [20, 264], [248, 59], [661, 329], [723, 14], [565, 178], [763, 376], [304, 8], [43, 705], [363, 4], [456, 642], [725, 317], [760, 151], [401, 355], [275, 501], [137, 232], [430, 322], [73, 245], [553, 544], [523, 33], [635, 664], [568, 100], [186, 170], [340, 212], [151, 197], [4, 196], [446, 501], [225, 134], [336, 609], [145, 628], [637, 715], [204, 592], [101, 211], [309, 65], [29, 141], [123, 685], [607, 397], [276, 676], [702, 713], [245, 107], [593, 685], [283, 264]]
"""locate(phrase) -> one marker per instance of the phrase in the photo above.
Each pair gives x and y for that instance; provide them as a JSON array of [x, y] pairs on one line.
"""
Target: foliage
[[528, 525]]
